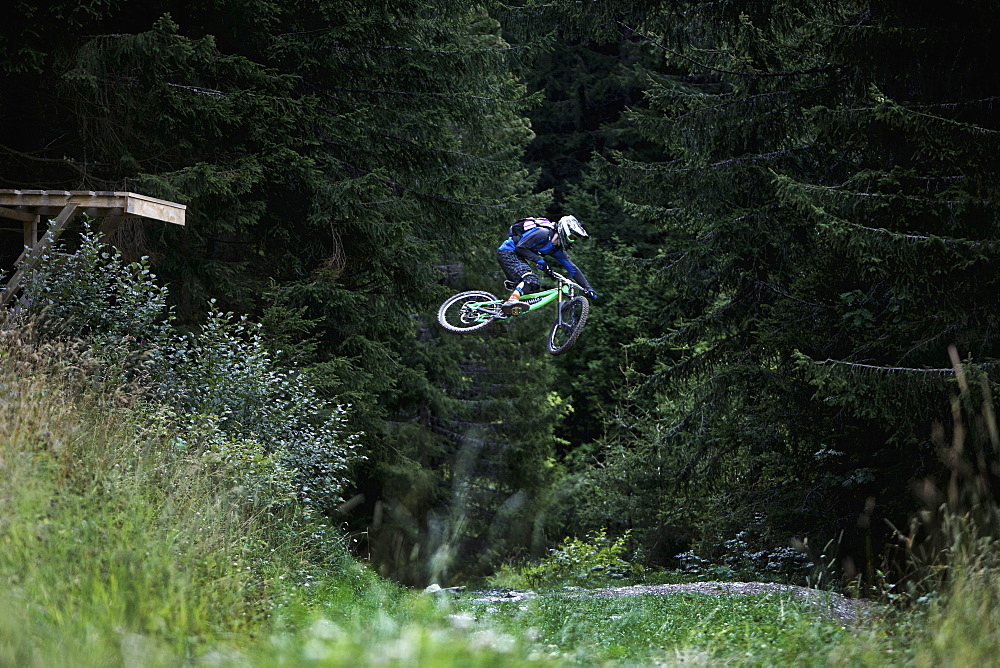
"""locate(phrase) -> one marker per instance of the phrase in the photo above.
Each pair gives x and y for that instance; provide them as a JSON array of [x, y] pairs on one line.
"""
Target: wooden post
[[36, 250], [109, 225], [31, 232]]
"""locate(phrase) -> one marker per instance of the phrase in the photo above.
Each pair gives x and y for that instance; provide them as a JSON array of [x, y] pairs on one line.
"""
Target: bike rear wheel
[[469, 312], [565, 333]]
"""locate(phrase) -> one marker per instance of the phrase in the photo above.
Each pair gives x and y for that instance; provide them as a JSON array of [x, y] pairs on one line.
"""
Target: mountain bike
[[476, 310]]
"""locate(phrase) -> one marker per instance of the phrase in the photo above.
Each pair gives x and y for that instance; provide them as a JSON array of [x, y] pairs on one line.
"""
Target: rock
[[443, 591]]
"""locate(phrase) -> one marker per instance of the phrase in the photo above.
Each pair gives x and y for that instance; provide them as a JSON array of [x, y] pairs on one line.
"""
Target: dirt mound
[[842, 608], [845, 609]]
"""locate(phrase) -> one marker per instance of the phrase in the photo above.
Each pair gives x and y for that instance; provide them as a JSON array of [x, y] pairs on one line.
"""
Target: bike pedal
[[517, 308]]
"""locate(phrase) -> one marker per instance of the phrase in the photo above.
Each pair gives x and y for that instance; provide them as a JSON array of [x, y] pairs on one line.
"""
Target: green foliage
[[593, 560], [789, 230], [139, 538], [224, 371], [93, 291], [828, 228], [264, 477], [216, 389], [121, 548], [477, 459], [747, 556], [330, 155], [680, 627]]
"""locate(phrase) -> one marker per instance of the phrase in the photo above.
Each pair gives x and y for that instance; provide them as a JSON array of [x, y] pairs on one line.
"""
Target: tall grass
[[121, 544], [115, 543], [951, 590]]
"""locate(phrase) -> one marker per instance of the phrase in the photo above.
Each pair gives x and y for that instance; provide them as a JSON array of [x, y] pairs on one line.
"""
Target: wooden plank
[[31, 232], [58, 225], [51, 202], [157, 209], [15, 214], [99, 203]]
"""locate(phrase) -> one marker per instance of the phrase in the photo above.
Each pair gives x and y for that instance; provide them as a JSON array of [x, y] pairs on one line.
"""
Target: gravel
[[846, 610]]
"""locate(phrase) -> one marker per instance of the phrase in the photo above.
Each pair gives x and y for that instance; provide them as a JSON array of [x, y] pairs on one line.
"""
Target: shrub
[[218, 387], [751, 555], [224, 370], [594, 559], [259, 479], [94, 292]]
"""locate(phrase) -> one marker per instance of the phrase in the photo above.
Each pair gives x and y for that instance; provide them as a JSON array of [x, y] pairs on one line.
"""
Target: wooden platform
[[22, 204], [29, 207]]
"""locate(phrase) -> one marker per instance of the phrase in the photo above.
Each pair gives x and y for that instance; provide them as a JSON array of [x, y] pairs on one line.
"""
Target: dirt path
[[846, 610]]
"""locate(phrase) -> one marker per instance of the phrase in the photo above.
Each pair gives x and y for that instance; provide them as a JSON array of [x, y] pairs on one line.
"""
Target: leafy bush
[[594, 559], [94, 292], [224, 370], [260, 478], [216, 390], [749, 556]]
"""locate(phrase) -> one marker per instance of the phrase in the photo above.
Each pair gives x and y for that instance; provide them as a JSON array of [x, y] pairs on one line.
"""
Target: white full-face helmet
[[570, 230]]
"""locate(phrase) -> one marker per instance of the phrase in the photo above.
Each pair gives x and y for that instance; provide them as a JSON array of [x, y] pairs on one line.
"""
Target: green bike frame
[[476, 310], [534, 301], [537, 300]]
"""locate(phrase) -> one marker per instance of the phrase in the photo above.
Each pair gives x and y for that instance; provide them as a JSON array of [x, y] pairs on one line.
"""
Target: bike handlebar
[[562, 279]]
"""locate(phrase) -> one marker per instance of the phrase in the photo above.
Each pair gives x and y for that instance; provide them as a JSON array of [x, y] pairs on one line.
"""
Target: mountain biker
[[531, 240]]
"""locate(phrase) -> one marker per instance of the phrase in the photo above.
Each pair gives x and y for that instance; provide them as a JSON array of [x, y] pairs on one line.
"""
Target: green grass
[[650, 628], [117, 548], [112, 544]]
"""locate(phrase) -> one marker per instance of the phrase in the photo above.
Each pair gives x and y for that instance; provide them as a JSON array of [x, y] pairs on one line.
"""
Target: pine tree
[[335, 158], [829, 196]]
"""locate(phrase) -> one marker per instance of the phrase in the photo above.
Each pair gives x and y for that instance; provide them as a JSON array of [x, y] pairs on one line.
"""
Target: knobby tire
[[453, 319], [574, 314]]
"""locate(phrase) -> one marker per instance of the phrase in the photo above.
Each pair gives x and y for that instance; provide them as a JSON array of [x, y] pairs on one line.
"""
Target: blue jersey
[[537, 242]]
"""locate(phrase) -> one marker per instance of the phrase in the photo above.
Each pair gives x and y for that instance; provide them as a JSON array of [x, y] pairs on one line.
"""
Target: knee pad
[[531, 284]]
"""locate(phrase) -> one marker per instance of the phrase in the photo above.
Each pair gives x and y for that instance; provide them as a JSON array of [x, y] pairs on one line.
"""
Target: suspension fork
[[559, 303]]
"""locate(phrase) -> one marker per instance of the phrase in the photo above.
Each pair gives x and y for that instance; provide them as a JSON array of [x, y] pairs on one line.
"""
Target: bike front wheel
[[566, 330], [469, 312]]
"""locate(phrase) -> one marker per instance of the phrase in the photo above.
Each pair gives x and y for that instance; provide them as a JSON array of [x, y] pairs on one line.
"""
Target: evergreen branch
[[959, 105], [947, 331], [948, 121], [761, 156], [395, 185], [744, 99], [909, 198], [649, 167], [745, 73], [405, 93], [29, 156], [465, 156], [69, 162], [784, 293], [892, 369], [911, 237], [413, 49], [978, 129], [900, 235], [211, 92]]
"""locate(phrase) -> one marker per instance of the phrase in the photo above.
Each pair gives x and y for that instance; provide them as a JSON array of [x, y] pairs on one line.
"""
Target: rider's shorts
[[517, 270]]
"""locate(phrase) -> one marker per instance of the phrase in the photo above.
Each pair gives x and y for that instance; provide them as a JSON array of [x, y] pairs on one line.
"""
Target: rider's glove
[[543, 266], [591, 294]]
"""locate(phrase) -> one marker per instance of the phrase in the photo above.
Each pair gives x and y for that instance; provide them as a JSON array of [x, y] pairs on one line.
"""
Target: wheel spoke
[[468, 312], [566, 329]]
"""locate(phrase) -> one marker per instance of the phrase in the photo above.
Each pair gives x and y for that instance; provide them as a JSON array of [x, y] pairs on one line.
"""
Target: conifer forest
[[794, 238]]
